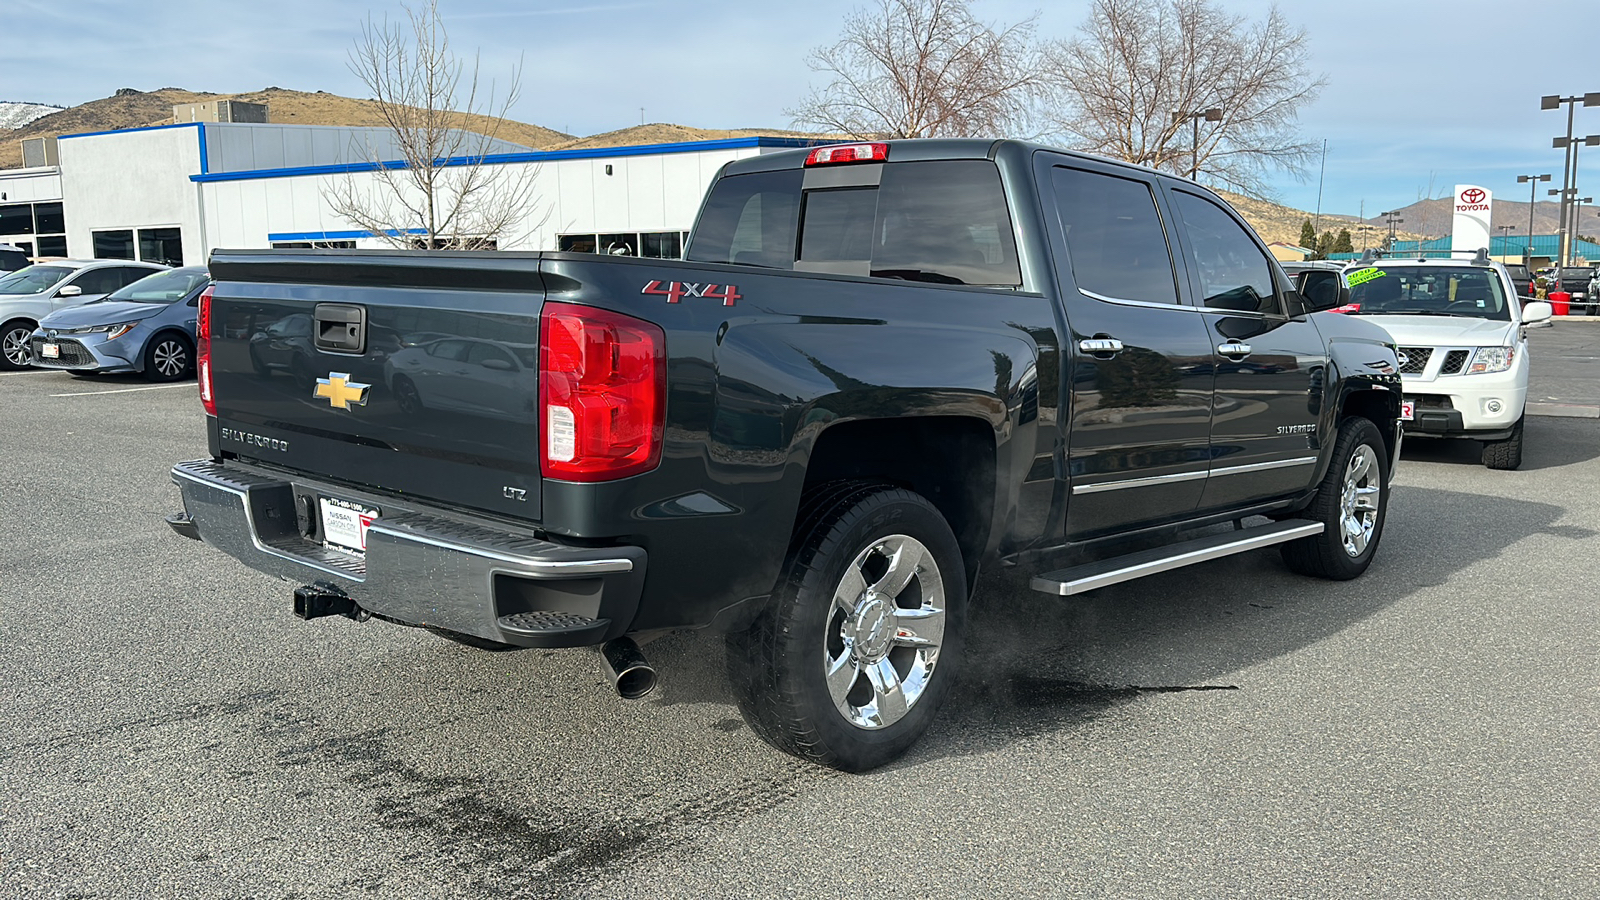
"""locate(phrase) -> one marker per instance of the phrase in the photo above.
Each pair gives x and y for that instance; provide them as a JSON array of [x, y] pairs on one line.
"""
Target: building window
[[161, 245], [113, 245], [575, 243], [49, 218], [155, 245], [314, 245], [16, 218], [52, 245], [649, 244]]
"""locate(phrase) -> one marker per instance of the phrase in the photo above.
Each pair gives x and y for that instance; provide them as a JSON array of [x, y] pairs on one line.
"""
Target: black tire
[[848, 539], [472, 640], [1339, 554], [406, 396], [16, 345], [1506, 454], [168, 357]]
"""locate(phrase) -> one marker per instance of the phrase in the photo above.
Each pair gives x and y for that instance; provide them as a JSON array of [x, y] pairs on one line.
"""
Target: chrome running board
[[1101, 573]]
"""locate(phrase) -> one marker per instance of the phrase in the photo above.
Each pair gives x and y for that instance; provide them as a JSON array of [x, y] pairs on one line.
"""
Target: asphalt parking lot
[[1229, 730]]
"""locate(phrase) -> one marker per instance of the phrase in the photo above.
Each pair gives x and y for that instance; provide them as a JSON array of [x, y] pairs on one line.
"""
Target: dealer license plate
[[1408, 410], [345, 524], [50, 351]]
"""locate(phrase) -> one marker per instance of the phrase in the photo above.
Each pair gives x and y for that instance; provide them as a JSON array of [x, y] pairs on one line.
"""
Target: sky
[[1420, 95]]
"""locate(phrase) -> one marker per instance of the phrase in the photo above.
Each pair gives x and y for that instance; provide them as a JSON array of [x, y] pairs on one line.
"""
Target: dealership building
[[173, 193]]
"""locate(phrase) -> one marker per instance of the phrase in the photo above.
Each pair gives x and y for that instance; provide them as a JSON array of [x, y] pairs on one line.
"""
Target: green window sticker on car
[[1363, 276]]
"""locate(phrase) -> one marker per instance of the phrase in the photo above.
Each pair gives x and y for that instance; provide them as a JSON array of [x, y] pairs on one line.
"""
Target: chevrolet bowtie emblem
[[340, 391]]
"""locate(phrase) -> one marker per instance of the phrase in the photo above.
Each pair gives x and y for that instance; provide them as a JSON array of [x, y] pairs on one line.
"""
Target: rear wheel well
[[950, 460]]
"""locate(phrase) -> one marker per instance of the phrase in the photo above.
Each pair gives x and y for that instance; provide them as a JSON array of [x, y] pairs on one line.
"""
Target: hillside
[[129, 108], [662, 133], [15, 115]]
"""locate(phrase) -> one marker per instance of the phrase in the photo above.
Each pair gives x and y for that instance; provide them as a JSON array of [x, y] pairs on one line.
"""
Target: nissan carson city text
[[878, 368]]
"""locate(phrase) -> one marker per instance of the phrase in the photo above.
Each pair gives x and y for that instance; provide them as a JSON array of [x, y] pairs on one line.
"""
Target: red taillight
[[202, 354], [848, 153], [602, 393]]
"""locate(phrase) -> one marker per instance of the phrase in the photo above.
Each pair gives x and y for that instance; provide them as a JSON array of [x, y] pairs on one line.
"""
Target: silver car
[[28, 295]]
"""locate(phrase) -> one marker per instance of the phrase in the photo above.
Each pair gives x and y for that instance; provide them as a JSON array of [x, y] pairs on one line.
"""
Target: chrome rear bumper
[[420, 568]]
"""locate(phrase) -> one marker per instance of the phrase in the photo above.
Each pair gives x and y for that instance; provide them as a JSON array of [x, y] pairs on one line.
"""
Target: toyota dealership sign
[[1470, 226]]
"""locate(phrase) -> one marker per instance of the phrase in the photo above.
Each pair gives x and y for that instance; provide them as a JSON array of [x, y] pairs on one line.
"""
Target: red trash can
[[1560, 302]]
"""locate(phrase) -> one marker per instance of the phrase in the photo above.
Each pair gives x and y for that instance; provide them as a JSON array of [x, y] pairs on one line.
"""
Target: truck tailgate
[[406, 373]]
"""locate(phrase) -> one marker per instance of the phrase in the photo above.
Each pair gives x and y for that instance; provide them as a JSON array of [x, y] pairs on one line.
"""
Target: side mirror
[[1323, 290], [1535, 311], [70, 290], [499, 365]]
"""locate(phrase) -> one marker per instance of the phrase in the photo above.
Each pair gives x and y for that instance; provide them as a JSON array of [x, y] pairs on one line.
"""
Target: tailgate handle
[[341, 328]]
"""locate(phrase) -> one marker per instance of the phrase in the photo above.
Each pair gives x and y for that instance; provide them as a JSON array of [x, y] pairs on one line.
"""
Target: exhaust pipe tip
[[624, 664]]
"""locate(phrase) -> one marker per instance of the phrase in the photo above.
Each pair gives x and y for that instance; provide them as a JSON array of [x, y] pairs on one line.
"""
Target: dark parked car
[[146, 327], [1521, 279], [12, 259]]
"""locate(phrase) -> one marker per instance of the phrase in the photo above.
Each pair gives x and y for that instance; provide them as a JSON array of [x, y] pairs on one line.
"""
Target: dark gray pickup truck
[[879, 368]]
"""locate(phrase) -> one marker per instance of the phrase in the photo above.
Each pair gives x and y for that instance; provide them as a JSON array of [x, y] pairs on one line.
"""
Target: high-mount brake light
[[848, 153], [602, 393], [203, 352]]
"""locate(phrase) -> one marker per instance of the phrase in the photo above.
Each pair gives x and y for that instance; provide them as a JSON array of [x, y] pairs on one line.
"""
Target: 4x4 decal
[[677, 290]]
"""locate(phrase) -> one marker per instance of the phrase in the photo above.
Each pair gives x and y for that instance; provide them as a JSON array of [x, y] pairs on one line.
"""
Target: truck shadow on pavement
[[1036, 664]]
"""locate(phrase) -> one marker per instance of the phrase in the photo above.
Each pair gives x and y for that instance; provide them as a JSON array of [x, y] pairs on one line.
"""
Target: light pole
[[1533, 184], [1556, 101], [1214, 114], [1505, 239], [1577, 215], [1391, 218], [1572, 145]]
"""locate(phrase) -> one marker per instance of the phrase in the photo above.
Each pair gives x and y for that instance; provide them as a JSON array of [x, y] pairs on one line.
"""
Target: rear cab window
[[934, 221]]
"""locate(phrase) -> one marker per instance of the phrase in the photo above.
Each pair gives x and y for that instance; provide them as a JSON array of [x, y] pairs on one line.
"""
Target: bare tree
[[439, 192], [1139, 69], [923, 68]]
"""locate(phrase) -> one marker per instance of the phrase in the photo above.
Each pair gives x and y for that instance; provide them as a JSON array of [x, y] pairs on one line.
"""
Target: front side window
[[100, 281], [1234, 274], [1115, 240], [1428, 291]]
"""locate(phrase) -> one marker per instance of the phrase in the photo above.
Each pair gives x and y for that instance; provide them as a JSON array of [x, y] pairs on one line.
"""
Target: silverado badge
[[340, 391]]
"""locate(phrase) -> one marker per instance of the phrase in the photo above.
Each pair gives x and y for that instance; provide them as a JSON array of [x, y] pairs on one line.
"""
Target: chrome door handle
[[1100, 345], [1234, 349]]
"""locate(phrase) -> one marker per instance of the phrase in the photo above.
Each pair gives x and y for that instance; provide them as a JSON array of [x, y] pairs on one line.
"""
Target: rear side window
[[1234, 274], [750, 220], [1115, 240], [942, 221]]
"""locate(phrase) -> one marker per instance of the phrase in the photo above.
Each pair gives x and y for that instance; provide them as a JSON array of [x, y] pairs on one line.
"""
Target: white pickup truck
[[1464, 361]]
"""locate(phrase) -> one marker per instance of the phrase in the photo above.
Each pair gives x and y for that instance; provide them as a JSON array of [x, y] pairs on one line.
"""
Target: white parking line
[[157, 387]]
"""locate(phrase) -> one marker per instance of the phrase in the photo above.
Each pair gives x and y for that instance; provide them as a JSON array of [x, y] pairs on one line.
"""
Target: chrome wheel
[[15, 345], [1358, 501], [884, 630], [171, 358]]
